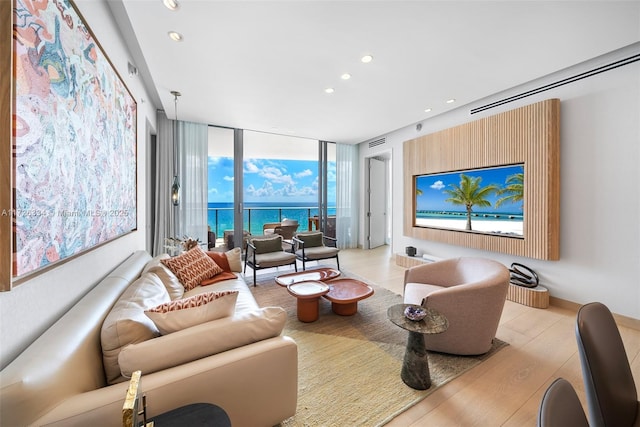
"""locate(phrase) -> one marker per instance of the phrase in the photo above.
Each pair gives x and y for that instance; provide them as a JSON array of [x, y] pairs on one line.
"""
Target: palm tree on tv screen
[[469, 193], [514, 190]]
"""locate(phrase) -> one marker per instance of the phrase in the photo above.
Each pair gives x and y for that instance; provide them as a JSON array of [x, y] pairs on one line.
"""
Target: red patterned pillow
[[192, 267], [184, 313]]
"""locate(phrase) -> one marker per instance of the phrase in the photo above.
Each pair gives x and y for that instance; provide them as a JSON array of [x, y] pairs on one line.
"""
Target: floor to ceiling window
[[221, 181], [281, 179]]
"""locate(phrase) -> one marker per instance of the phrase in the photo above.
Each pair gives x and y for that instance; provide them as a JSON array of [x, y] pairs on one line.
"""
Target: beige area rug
[[349, 366]]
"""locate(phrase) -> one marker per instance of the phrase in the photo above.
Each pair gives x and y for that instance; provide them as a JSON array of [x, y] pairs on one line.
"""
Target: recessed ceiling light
[[329, 90], [427, 110], [175, 36], [367, 58], [451, 101], [171, 4], [346, 76]]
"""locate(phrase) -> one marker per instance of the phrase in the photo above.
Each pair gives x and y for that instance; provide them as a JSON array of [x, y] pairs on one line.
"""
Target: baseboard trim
[[621, 320]]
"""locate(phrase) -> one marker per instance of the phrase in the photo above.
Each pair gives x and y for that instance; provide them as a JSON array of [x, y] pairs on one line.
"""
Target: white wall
[[600, 185], [31, 307]]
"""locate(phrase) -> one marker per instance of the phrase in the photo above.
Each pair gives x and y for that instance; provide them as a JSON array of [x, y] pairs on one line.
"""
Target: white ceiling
[[264, 65]]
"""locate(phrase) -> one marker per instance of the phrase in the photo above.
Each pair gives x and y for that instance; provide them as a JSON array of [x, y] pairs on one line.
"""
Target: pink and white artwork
[[74, 154]]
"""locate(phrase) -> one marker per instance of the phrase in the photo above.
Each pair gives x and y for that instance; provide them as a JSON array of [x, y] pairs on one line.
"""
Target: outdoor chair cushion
[[268, 244], [311, 240]]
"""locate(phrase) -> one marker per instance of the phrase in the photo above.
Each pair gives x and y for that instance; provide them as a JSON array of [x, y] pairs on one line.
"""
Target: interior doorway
[[378, 214]]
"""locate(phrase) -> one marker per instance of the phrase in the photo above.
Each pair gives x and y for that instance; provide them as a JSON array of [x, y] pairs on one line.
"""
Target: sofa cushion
[[268, 244], [184, 313], [245, 302], [202, 340], [171, 282], [192, 267], [126, 323], [234, 257]]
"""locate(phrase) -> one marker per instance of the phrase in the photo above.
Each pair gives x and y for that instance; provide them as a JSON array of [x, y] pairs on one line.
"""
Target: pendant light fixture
[[175, 188]]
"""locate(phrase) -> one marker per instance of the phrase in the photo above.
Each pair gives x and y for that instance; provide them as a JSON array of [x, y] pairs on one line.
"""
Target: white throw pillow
[[234, 256], [170, 281], [184, 313], [126, 323]]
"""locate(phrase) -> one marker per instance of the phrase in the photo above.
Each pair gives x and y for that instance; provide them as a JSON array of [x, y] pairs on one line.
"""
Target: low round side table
[[308, 294], [415, 367]]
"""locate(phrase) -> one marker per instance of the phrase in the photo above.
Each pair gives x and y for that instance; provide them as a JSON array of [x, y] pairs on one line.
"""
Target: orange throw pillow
[[220, 258]]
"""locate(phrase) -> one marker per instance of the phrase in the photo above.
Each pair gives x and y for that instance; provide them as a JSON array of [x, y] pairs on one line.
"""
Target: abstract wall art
[[74, 139]]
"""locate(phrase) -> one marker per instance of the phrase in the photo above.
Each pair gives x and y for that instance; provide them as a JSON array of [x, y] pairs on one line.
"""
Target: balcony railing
[[221, 219]]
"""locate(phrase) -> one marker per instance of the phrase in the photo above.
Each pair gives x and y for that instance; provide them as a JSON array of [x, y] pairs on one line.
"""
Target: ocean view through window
[[280, 181]]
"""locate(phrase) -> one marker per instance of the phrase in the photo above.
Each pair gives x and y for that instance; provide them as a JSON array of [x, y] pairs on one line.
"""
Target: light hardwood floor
[[506, 389]]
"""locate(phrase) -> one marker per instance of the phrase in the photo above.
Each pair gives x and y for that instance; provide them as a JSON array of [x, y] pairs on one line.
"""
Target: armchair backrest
[[287, 231], [608, 379], [458, 271], [311, 240], [263, 245]]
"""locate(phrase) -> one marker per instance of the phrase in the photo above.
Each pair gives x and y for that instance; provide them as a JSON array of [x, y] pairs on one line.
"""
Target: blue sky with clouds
[[268, 180]]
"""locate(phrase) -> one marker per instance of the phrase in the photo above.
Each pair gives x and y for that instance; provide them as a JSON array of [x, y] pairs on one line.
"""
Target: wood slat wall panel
[[529, 135]]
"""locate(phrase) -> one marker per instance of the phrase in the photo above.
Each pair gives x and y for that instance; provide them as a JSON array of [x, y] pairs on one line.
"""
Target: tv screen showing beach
[[487, 200]]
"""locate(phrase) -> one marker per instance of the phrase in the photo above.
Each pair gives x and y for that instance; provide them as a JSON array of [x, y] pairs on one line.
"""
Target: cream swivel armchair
[[470, 292]]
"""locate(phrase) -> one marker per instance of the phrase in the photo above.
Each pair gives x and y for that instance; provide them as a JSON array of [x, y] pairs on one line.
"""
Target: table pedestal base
[[415, 368], [345, 309], [308, 309]]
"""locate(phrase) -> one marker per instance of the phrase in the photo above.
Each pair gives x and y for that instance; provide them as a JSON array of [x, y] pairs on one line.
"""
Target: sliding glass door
[[267, 178]]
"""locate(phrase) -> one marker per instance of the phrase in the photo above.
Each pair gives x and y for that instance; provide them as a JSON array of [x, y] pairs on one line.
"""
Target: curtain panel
[[187, 158], [164, 210], [192, 172], [347, 195]]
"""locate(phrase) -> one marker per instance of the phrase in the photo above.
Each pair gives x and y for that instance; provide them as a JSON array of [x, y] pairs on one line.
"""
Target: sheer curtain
[[192, 172], [347, 195], [164, 210], [188, 159]]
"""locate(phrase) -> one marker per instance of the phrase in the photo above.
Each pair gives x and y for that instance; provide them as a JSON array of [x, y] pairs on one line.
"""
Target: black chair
[[560, 406], [267, 252], [611, 391]]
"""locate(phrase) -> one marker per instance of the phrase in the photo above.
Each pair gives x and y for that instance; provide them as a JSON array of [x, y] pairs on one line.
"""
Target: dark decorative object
[[521, 275], [175, 191], [410, 250], [415, 313]]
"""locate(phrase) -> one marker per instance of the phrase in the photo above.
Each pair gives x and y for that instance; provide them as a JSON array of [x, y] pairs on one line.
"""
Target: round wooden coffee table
[[308, 294], [318, 275], [344, 295]]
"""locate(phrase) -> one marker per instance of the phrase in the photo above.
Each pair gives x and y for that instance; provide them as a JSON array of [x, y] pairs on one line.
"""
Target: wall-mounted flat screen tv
[[486, 200]]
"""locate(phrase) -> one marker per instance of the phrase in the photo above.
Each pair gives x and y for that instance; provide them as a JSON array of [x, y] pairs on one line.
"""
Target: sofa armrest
[[229, 380]]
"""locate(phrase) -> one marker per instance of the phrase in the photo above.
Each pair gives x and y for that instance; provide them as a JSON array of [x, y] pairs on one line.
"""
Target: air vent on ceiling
[[562, 82], [377, 142]]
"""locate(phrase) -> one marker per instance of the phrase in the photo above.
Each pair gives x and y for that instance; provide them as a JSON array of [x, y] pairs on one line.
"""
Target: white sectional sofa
[[241, 362]]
